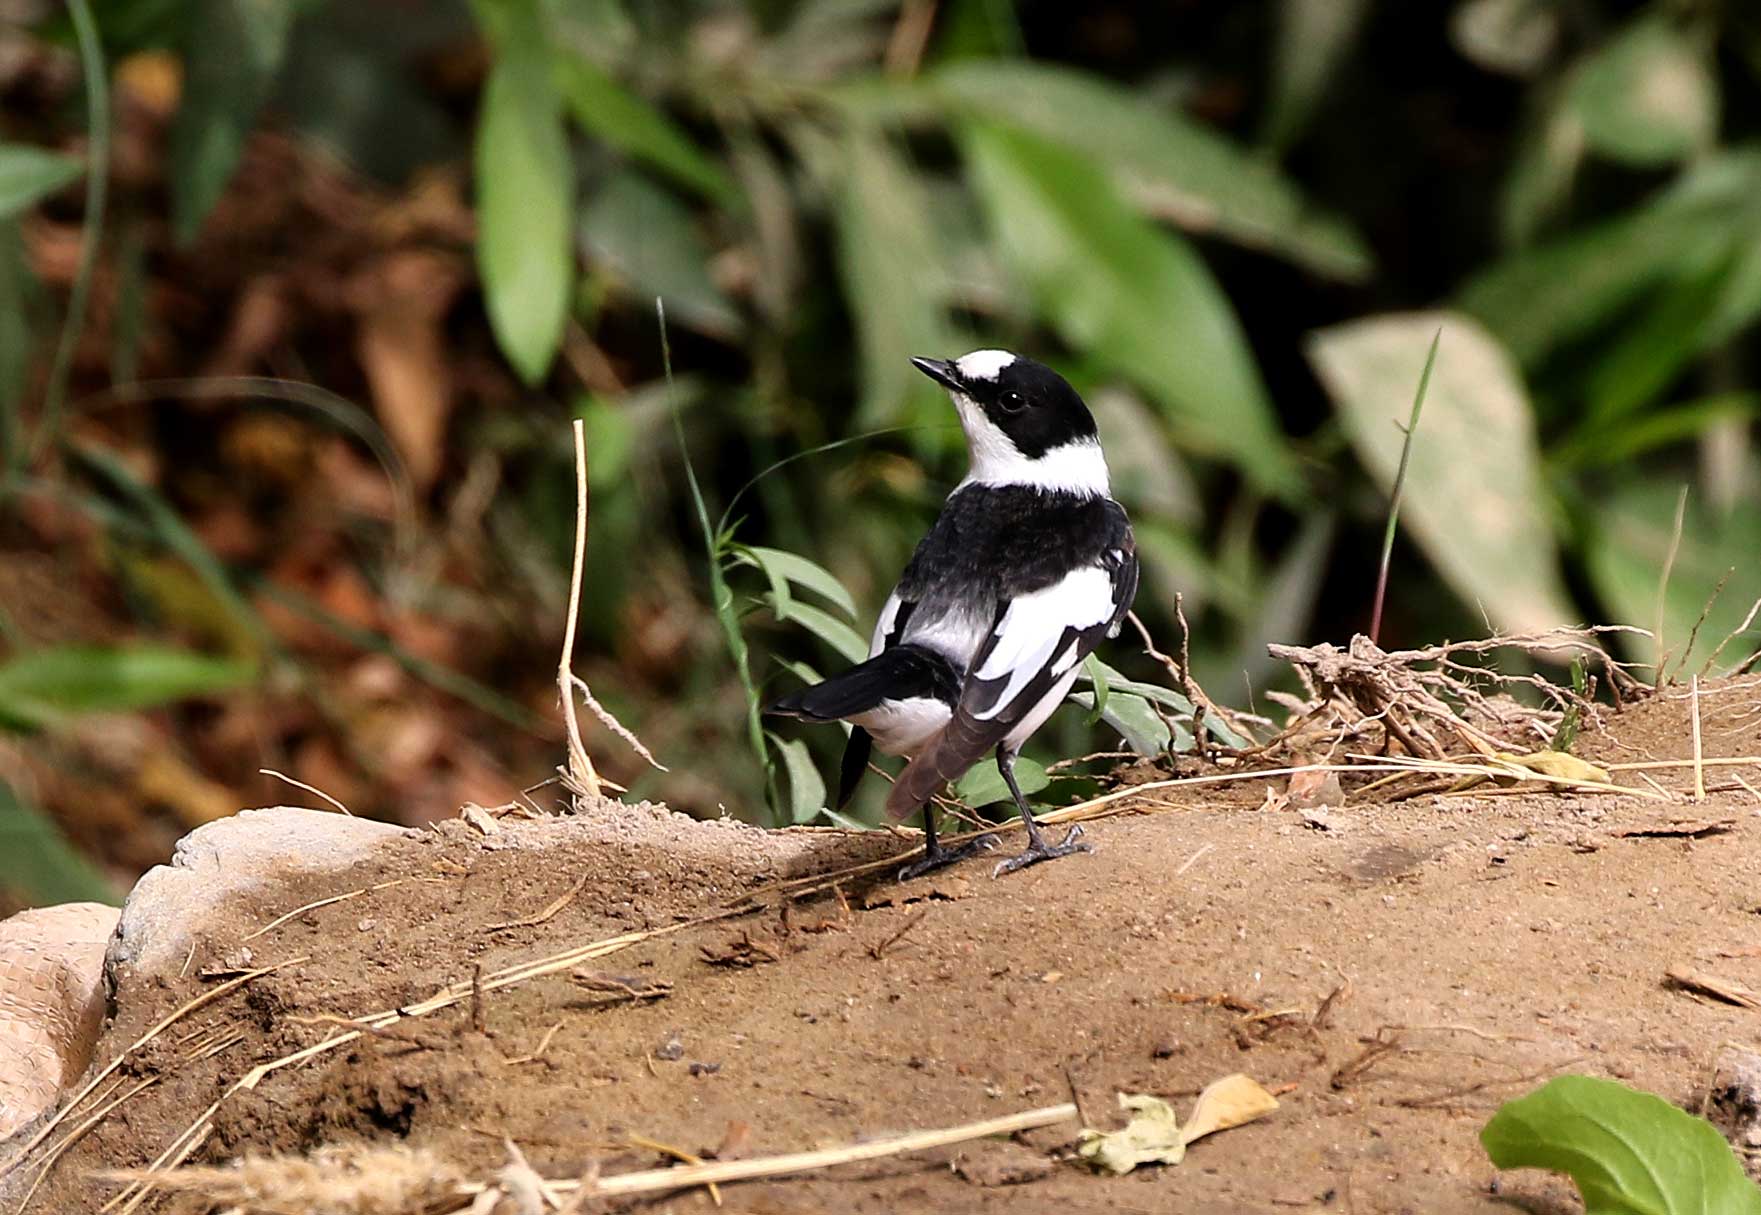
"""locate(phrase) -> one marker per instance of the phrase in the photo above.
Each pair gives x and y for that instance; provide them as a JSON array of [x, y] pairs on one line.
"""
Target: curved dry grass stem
[[580, 765]]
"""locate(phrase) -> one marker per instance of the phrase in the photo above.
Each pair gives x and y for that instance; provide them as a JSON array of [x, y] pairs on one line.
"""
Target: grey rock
[[225, 858]]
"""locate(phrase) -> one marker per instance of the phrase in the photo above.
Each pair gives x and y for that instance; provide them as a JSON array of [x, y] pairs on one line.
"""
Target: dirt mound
[[1393, 969]]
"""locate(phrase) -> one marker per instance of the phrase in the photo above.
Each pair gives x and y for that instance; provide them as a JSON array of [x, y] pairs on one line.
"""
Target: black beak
[[942, 371]]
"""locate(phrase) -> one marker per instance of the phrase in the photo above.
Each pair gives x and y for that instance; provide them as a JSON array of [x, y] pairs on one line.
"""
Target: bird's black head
[[1033, 406]]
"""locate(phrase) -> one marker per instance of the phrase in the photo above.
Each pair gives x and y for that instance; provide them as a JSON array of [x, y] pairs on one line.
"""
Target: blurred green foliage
[[1237, 228]]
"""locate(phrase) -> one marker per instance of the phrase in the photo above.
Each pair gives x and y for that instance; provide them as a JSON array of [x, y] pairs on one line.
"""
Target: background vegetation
[[296, 301]]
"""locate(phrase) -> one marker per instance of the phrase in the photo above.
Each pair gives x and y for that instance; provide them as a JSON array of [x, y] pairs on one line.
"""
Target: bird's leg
[[1037, 848], [935, 856]]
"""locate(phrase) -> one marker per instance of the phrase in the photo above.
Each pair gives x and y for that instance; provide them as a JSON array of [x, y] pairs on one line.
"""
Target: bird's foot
[[1039, 851], [940, 858]]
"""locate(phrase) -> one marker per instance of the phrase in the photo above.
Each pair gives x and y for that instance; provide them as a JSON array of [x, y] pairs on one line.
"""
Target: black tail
[[896, 674]]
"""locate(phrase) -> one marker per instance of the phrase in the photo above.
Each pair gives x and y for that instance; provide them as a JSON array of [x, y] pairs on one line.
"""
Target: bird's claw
[[941, 858], [1039, 851]]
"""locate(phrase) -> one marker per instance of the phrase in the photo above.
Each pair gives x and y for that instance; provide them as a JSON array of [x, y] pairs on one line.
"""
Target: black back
[[994, 542]]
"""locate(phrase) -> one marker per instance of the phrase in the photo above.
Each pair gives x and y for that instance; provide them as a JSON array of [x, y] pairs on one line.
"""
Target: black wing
[[1039, 639]]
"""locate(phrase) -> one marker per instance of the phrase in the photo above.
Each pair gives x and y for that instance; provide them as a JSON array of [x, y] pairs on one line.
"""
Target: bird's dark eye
[[1012, 401]]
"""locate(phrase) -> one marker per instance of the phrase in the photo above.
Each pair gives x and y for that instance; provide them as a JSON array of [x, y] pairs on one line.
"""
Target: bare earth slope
[[1492, 939]]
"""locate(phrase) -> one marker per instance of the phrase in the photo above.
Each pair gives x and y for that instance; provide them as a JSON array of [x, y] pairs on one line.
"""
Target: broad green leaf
[[1653, 429], [1549, 150], [1314, 36], [1539, 299], [984, 786], [806, 786], [892, 272], [648, 237], [1097, 679], [231, 51], [28, 175], [1649, 350], [247, 634], [39, 687], [1626, 546], [1630, 1153], [793, 567], [1649, 97], [37, 863], [1474, 495], [1166, 697], [1138, 298], [603, 107], [1168, 165], [1510, 36], [1137, 722], [525, 196], [823, 625]]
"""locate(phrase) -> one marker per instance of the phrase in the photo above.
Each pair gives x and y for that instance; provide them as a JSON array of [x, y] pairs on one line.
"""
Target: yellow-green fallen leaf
[[1559, 764], [1154, 1136], [1151, 1137]]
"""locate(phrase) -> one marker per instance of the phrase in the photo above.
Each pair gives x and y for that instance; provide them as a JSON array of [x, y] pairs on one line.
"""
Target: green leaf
[[231, 51], [1549, 150], [648, 236], [1095, 671], [1510, 36], [1137, 722], [603, 107], [1314, 36], [823, 625], [1630, 1153], [1165, 163], [983, 785], [28, 175], [1542, 298], [39, 687], [893, 279], [525, 196], [806, 786], [1648, 98], [1627, 544], [1637, 436], [37, 863], [1138, 298], [1474, 494], [792, 567], [147, 506]]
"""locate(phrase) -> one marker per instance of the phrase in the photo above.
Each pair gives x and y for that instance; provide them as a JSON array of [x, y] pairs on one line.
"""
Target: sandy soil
[[1494, 939]]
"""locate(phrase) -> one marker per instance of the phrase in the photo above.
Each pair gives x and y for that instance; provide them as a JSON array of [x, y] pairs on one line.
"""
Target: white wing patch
[[884, 626], [1029, 634]]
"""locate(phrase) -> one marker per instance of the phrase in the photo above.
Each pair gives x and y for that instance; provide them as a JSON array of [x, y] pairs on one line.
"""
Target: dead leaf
[[1312, 790], [1230, 1102], [403, 299], [1560, 764], [479, 818], [169, 781], [1151, 1137], [1702, 984]]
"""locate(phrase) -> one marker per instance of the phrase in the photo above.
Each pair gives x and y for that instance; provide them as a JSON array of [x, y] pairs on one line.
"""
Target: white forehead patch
[[983, 364]]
